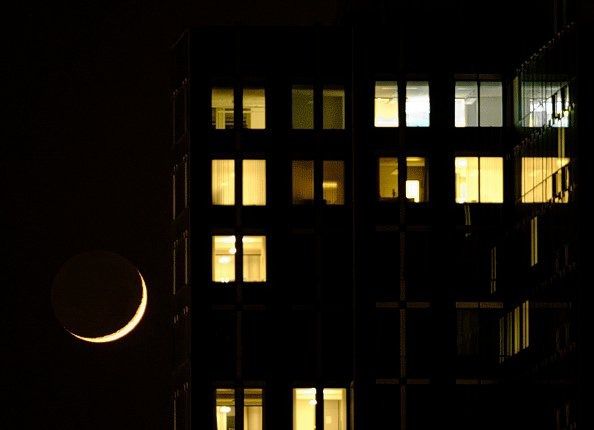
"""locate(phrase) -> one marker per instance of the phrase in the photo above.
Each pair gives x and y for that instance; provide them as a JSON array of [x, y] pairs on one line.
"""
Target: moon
[[99, 297], [127, 328]]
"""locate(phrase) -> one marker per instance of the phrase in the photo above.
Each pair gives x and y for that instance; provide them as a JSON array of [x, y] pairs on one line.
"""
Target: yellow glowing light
[[225, 409], [232, 250], [313, 402], [128, 327], [225, 259]]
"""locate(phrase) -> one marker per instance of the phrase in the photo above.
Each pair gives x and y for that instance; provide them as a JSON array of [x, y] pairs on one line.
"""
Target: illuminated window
[[333, 183], [417, 104], [254, 258], [542, 179], [478, 103], [533, 241], [303, 181], [386, 104], [223, 258], [302, 107], [517, 327], [416, 179], [514, 331], [333, 108], [466, 104], [490, 104], [304, 408], [254, 108], [223, 182], [388, 177], [335, 409], [525, 324], [254, 183], [225, 410], [222, 107], [252, 409], [479, 179]]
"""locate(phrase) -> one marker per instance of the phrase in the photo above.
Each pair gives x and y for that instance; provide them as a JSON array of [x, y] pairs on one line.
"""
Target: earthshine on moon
[[99, 297], [127, 328]]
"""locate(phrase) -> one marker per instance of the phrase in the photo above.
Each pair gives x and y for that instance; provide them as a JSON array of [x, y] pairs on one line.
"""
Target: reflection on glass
[[223, 182], [302, 107], [333, 184], [388, 177], [254, 183], [335, 413], [254, 108], [223, 258], [304, 408], [254, 258], [225, 408], [333, 108], [416, 179], [303, 181], [491, 104], [386, 104], [417, 104], [222, 108], [252, 409], [545, 179], [466, 104]]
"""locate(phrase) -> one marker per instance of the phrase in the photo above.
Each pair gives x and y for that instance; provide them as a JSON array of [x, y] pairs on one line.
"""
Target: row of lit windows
[[477, 179], [305, 408], [476, 104]]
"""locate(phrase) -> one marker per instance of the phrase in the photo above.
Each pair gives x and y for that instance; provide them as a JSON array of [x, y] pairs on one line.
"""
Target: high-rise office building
[[375, 226]]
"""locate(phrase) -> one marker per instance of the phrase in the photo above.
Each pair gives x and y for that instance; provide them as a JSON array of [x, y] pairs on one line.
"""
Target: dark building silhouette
[[375, 223]]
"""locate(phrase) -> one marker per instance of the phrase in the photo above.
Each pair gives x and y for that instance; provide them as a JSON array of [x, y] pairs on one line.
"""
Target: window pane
[[335, 409], [303, 181], [254, 108], [254, 258], [491, 180], [225, 409], [388, 178], [386, 104], [254, 182], [491, 104], [333, 184], [304, 409], [223, 182], [466, 104], [223, 258], [303, 111], [252, 409], [416, 179], [222, 108], [333, 100], [417, 104], [466, 169]]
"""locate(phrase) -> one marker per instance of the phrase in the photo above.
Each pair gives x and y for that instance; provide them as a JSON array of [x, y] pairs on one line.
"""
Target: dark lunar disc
[[96, 293]]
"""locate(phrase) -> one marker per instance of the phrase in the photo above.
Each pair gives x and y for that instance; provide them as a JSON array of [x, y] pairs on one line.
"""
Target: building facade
[[372, 230]]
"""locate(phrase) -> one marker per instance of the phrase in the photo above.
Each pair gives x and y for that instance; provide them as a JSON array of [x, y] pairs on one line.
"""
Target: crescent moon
[[127, 328]]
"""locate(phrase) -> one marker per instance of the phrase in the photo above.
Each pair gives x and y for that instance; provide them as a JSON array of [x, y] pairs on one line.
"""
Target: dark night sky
[[85, 160]]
